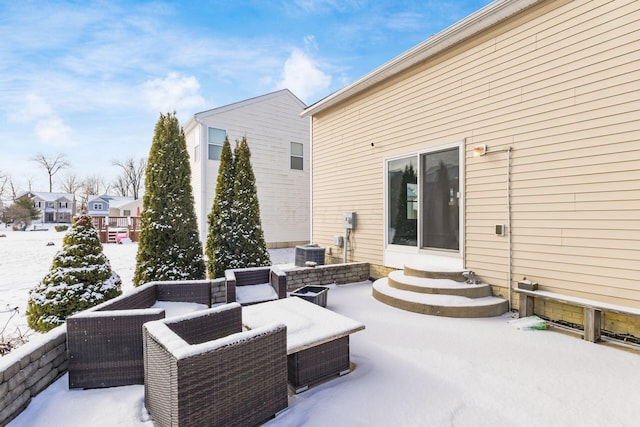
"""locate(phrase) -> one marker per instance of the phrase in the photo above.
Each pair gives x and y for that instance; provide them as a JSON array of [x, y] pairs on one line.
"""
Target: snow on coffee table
[[172, 308], [308, 324]]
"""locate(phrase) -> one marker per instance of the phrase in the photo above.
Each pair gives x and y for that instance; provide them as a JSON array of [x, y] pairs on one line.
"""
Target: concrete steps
[[438, 293]]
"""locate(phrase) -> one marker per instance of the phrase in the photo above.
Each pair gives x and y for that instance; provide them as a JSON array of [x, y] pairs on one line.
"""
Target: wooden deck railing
[[109, 227]]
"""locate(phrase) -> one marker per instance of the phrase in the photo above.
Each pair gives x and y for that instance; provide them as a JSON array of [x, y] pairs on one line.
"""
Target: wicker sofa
[[200, 369], [104, 343], [256, 277]]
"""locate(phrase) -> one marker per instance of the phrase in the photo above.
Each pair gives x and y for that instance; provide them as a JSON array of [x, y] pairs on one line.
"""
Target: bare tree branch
[[51, 165], [120, 186], [71, 184], [132, 174], [4, 180]]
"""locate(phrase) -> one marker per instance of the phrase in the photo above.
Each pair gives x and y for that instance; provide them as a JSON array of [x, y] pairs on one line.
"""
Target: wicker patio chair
[[104, 343], [202, 370], [270, 282]]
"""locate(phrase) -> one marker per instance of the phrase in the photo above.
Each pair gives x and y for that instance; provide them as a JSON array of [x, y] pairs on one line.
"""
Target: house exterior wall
[[54, 207], [559, 84], [270, 123]]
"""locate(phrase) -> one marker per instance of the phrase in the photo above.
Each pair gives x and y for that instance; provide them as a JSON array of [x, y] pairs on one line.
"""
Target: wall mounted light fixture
[[479, 150]]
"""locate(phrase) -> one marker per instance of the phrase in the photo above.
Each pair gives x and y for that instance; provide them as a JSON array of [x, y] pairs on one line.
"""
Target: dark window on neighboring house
[[297, 156], [97, 206], [215, 140]]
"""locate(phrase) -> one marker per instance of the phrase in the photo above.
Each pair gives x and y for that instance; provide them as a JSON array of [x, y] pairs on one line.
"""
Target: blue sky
[[89, 79]]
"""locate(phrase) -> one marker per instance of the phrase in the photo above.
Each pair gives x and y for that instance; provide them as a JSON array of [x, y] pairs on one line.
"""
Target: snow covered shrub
[[220, 243], [80, 277], [61, 228], [235, 238], [250, 246], [169, 247]]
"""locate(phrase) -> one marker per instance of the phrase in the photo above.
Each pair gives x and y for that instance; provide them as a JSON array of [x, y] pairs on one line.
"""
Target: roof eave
[[473, 24]]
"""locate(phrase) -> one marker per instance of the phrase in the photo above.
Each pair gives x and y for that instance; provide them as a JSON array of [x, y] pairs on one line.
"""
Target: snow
[[409, 369], [383, 287], [247, 294], [174, 308], [307, 323]]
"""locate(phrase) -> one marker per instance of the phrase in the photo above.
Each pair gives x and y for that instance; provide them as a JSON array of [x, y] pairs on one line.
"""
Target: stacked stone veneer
[[338, 274], [29, 369]]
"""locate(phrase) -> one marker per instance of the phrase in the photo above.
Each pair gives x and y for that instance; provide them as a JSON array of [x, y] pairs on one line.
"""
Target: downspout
[[311, 179], [509, 240], [203, 182]]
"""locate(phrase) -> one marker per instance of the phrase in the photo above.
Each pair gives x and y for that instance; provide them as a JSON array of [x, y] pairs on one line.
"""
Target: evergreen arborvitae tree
[[169, 247], [220, 244], [80, 277], [250, 246]]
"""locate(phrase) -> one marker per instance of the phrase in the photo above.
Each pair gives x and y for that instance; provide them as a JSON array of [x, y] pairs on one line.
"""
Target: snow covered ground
[[410, 369]]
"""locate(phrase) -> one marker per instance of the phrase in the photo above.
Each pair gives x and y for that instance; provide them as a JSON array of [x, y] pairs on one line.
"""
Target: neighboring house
[[279, 141], [115, 217], [54, 207], [549, 92], [98, 206], [113, 206], [125, 206]]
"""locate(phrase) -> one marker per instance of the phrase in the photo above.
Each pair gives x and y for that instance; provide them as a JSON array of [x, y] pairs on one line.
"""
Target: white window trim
[[398, 256], [226, 134], [292, 155]]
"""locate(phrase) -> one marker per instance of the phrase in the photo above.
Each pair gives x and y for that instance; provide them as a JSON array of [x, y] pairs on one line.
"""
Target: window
[[297, 156], [402, 185], [215, 140], [97, 206], [440, 190], [63, 205], [126, 212], [423, 208], [51, 204]]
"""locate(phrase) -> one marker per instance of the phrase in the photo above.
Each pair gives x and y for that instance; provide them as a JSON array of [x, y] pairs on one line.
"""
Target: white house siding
[[270, 123], [560, 84]]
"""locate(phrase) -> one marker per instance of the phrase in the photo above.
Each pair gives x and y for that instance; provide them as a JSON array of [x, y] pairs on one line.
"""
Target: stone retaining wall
[[29, 369], [218, 291], [339, 274]]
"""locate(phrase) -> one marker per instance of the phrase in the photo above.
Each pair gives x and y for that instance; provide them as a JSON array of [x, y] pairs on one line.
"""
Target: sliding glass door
[[440, 178], [423, 208]]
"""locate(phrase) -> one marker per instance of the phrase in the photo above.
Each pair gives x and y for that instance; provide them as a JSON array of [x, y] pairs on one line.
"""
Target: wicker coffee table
[[317, 338]]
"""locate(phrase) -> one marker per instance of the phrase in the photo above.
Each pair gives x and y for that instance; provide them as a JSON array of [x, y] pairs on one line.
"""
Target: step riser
[[453, 275], [477, 292], [434, 310]]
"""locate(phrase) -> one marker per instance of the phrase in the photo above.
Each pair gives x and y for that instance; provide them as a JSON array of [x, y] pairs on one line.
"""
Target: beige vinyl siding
[[558, 83]]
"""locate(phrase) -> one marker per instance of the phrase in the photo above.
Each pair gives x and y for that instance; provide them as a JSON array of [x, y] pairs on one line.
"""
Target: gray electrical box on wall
[[349, 220]]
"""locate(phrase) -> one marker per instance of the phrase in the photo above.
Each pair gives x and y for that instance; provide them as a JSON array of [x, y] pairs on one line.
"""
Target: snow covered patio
[[416, 370], [410, 369]]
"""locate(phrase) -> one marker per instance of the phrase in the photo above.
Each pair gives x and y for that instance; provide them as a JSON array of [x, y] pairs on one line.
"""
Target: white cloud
[[52, 130], [49, 127], [302, 76], [173, 93]]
